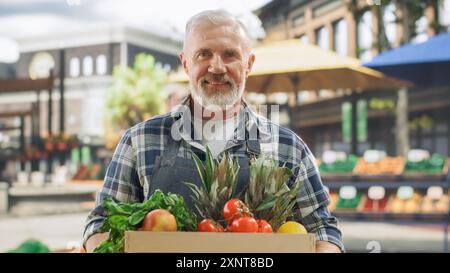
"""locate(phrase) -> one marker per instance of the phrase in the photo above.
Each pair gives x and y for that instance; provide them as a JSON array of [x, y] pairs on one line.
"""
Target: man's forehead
[[212, 32]]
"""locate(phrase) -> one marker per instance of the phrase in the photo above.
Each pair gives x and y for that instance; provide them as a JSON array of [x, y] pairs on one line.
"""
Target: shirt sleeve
[[312, 201], [121, 183]]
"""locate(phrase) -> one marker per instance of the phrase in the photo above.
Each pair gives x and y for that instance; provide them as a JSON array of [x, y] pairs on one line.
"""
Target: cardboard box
[[214, 242]]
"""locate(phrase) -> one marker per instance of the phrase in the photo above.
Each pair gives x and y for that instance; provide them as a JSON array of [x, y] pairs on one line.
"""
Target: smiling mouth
[[216, 82]]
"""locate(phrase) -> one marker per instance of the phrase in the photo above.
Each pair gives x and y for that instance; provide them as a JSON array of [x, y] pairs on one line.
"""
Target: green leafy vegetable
[[340, 166], [433, 165], [129, 216]]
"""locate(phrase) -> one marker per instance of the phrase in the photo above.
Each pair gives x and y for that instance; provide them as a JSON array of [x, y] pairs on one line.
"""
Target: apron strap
[[169, 154], [253, 145]]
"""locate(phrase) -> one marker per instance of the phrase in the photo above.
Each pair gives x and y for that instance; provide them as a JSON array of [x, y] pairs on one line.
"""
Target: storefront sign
[[347, 192], [361, 125], [346, 110]]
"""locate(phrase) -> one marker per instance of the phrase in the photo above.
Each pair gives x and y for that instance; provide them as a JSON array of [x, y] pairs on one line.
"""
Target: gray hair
[[217, 17]]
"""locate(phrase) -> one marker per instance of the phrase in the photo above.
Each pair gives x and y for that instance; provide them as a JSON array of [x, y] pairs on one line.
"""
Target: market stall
[[376, 187]]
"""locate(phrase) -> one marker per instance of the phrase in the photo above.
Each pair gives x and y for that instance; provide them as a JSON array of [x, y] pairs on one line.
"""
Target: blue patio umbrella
[[425, 64]]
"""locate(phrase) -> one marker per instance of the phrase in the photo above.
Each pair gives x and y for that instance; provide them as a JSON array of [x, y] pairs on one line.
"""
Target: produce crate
[[214, 242], [421, 176], [390, 169], [338, 171], [378, 178], [357, 202], [406, 207], [337, 177]]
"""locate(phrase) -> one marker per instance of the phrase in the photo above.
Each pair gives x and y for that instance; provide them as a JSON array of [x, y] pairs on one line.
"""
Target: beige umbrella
[[291, 66]]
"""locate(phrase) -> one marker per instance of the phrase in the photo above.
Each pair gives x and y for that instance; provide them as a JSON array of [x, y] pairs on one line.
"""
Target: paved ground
[[59, 230], [54, 230]]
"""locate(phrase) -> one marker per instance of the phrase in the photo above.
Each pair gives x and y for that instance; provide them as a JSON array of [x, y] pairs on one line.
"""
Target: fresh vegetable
[[349, 203], [433, 165], [244, 224], [389, 165], [159, 220], [292, 227], [339, 166], [31, 246], [235, 208], [264, 226], [208, 225], [267, 196], [129, 216]]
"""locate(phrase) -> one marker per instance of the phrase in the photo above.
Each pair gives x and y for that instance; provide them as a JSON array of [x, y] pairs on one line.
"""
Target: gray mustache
[[216, 77]]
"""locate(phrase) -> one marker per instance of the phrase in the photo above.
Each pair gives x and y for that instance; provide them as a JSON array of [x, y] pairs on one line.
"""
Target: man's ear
[[184, 62], [251, 60]]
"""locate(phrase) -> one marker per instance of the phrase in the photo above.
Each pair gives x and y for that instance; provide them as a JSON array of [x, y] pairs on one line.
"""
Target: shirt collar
[[255, 126]]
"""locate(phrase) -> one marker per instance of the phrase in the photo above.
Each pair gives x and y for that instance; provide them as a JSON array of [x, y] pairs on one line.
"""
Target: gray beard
[[222, 100]]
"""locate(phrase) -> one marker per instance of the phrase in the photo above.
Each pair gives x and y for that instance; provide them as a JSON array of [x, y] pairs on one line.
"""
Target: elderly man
[[156, 154]]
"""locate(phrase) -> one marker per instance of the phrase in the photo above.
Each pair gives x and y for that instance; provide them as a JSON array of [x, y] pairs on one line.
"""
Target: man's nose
[[216, 65]]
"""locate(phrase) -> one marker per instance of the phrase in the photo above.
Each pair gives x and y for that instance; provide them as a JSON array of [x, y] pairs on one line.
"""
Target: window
[[340, 37], [88, 66], [444, 12], [322, 38], [421, 30], [101, 65], [326, 7], [304, 39], [365, 37], [74, 67], [389, 23], [298, 20]]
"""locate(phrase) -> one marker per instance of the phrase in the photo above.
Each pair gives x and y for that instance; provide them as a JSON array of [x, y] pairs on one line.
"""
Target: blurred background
[[364, 83]]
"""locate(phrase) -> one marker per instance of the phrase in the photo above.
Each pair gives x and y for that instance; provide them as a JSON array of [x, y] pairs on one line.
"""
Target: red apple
[[159, 220]]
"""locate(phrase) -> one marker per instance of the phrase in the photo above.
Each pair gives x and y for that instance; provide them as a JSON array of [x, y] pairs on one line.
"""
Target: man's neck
[[214, 113]]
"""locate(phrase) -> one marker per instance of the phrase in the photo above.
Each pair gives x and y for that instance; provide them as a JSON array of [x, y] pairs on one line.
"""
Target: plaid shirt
[[128, 175]]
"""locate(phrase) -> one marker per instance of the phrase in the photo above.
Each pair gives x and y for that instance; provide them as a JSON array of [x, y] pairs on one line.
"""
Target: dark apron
[[170, 171]]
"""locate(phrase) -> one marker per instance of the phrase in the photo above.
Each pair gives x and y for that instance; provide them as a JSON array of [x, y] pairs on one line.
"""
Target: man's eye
[[230, 54], [203, 54]]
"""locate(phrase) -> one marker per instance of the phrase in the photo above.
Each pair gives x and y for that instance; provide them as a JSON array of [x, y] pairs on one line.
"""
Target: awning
[[425, 64], [292, 66]]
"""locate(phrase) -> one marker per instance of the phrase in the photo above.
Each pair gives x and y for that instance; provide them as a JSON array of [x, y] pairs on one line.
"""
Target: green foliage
[[136, 92], [422, 122], [340, 166], [414, 10], [31, 246], [382, 104], [129, 216]]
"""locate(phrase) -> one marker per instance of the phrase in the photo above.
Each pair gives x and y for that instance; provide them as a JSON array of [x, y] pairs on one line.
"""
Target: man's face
[[217, 61]]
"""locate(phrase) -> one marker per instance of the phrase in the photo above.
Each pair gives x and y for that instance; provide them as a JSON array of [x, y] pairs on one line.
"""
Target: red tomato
[[235, 208], [244, 224], [208, 225], [264, 226]]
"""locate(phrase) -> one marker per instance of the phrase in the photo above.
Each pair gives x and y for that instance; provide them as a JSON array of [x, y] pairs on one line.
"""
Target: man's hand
[[95, 240], [326, 247]]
